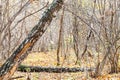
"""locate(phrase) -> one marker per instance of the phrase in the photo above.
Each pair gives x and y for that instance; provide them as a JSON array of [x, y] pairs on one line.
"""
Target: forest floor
[[48, 59]]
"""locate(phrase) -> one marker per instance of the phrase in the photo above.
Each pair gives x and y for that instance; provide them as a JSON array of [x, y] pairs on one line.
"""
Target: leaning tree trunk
[[12, 63]]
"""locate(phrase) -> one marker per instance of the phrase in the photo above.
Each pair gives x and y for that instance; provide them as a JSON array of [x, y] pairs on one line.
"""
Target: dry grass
[[49, 59]]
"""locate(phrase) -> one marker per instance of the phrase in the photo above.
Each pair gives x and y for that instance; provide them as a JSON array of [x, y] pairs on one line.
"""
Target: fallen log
[[24, 68]]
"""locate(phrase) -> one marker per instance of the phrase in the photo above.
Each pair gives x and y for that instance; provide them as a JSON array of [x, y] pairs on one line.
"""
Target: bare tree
[[10, 66], [60, 37]]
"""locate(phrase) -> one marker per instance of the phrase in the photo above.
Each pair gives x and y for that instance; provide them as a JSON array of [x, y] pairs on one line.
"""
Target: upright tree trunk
[[101, 65], [60, 37], [11, 64], [75, 38], [76, 30], [1, 46]]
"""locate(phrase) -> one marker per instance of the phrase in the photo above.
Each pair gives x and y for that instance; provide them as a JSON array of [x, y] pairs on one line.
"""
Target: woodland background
[[84, 34]]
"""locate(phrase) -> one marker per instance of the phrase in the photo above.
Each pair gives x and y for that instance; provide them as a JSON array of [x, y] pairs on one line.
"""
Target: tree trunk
[[75, 39], [101, 65], [12, 63], [75, 24], [113, 58], [60, 37]]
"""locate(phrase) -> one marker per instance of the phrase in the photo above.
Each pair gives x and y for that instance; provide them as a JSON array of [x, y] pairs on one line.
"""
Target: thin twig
[[86, 24], [29, 15]]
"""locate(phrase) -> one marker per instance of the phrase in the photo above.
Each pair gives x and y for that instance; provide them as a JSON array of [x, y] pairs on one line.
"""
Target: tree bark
[[101, 65], [60, 38], [12, 63]]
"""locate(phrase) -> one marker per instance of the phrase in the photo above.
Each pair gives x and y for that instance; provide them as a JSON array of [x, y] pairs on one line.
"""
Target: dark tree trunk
[[12, 63]]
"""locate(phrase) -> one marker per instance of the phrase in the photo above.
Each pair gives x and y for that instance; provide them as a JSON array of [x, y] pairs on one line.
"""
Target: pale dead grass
[[48, 59]]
